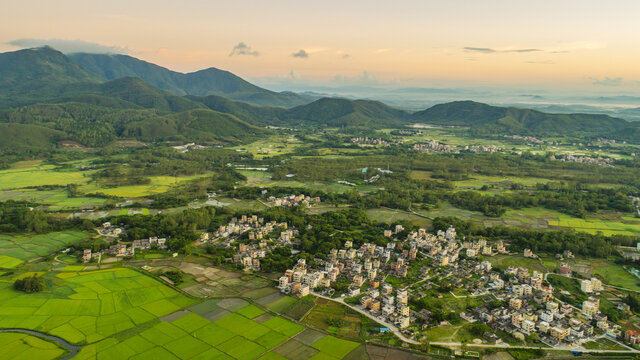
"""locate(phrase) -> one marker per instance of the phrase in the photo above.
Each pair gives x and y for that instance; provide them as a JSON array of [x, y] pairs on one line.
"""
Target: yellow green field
[[271, 146], [624, 225], [31, 174], [158, 185]]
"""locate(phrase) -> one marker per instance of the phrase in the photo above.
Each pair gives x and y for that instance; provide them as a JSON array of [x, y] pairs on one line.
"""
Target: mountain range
[[93, 99]]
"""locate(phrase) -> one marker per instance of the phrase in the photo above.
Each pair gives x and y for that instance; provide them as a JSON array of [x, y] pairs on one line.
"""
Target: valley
[[150, 213]]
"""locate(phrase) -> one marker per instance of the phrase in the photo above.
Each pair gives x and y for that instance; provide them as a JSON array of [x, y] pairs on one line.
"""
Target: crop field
[[34, 174], [85, 307], [15, 250], [27, 347], [326, 311], [158, 185], [391, 216], [57, 199], [613, 224], [271, 146]]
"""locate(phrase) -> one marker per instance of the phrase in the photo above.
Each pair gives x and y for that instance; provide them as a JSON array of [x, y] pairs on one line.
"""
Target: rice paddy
[[27, 347], [120, 313], [14, 250]]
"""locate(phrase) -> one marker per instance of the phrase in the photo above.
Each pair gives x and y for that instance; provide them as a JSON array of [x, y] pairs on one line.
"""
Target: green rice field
[[120, 313], [14, 250], [28, 347], [34, 173]]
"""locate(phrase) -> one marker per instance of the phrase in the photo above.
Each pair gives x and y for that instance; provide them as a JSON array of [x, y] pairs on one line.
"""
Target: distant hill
[[331, 112], [27, 139], [95, 126], [346, 113], [205, 82], [257, 115], [27, 76], [486, 119]]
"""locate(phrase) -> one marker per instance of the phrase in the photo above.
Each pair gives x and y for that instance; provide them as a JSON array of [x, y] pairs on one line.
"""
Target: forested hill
[[331, 112], [205, 82], [487, 119]]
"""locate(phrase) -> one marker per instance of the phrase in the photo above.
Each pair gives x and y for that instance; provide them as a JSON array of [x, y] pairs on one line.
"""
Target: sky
[[568, 44]]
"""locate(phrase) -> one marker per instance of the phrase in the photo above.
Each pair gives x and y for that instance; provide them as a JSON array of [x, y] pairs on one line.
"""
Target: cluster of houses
[[528, 139], [190, 146], [294, 200], [584, 160], [432, 146], [262, 238], [366, 266], [371, 141], [529, 307], [482, 149], [256, 228], [109, 230]]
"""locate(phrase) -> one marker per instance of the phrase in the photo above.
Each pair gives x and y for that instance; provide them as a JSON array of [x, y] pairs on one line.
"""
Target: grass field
[[56, 199], [326, 310], [504, 261], [27, 347], [607, 224], [616, 275], [15, 250], [158, 185], [391, 216], [271, 146], [31, 174]]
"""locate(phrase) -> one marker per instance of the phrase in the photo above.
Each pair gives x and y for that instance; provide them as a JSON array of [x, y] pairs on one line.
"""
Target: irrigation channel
[[73, 349]]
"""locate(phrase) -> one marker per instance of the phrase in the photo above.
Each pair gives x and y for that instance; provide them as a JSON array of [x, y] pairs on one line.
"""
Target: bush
[[174, 275]]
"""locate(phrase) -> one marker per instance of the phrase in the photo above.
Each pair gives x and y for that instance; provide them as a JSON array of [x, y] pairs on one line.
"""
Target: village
[[381, 281]]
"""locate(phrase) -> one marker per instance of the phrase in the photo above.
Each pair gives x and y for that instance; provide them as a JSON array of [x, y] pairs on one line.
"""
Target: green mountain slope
[[205, 82], [486, 119], [346, 113], [27, 76], [93, 125], [27, 139], [257, 115]]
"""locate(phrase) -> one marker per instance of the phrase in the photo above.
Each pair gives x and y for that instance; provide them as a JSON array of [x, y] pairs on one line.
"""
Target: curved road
[[394, 329]]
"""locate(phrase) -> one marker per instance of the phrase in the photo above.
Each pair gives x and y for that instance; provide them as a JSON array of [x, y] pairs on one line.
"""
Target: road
[[503, 346], [394, 329]]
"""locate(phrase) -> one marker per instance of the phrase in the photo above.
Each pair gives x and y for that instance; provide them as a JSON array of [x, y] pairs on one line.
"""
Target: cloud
[[380, 51], [523, 50], [69, 46], [300, 54], [345, 56], [607, 81], [485, 50], [479, 49], [243, 49], [543, 62]]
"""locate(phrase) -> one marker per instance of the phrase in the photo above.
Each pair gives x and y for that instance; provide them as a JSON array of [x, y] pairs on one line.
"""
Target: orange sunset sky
[[564, 44]]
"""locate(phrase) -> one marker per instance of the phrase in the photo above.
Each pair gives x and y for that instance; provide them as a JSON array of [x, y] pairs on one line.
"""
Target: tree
[[31, 284]]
